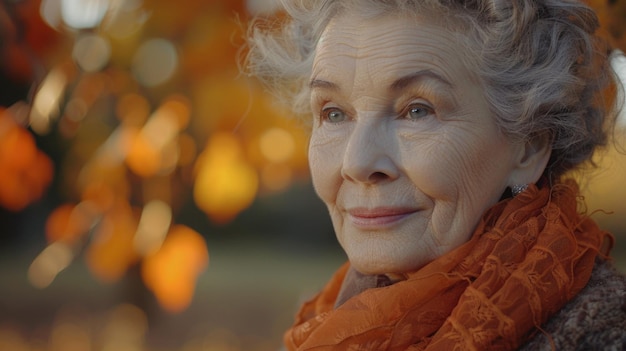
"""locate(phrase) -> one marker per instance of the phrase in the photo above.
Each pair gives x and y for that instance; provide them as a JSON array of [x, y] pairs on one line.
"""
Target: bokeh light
[[54, 259], [125, 329], [155, 62], [24, 175], [277, 145], [11, 339], [91, 52], [225, 183], [112, 250], [83, 14], [68, 222], [68, 336], [154, 224], [172, 271], [46, 106]]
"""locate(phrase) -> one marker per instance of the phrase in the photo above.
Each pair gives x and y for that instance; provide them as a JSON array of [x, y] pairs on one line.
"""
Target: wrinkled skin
[[404, 150]]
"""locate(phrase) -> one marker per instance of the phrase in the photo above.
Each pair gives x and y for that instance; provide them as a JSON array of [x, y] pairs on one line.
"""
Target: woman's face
[[404, 150]]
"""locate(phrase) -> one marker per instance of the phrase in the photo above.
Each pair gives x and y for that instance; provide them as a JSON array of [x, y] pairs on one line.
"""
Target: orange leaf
[[14, 194], [112, 250], [171, 273], [64, 223], [17, 148]]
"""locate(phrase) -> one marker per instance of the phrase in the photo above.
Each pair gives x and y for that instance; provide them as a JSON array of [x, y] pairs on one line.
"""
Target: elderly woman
[[441, 133]]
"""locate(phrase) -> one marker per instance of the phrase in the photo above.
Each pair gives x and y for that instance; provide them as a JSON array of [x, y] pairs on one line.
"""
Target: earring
[[518, 189]]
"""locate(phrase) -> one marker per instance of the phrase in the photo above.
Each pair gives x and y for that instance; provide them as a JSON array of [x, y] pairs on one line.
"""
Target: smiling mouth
[[378, 218]]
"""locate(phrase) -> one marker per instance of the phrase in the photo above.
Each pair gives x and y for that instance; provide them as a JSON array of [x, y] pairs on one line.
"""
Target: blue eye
[[417, 111], [333, 115]]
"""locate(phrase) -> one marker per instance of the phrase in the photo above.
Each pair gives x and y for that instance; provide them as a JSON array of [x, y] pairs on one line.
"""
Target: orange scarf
[[528, 256]]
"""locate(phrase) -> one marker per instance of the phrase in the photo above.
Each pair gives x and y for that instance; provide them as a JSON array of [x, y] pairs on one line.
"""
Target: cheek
[[325, 163], [433, 164], [462, 179], [465, 164]]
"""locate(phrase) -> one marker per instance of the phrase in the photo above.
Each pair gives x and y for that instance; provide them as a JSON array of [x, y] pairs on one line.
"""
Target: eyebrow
[[323, 84], [403, 82], [399, 84]]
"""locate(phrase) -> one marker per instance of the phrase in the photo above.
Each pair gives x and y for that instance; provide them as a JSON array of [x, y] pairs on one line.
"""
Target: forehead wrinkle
[[328, 59], [428, 56], [417, 77], [381, 57]]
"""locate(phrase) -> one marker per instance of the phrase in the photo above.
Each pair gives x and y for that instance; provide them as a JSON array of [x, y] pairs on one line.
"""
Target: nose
[[369, 156]]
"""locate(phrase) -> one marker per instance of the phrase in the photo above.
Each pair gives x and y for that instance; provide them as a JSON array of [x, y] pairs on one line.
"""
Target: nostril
[[378, 176]]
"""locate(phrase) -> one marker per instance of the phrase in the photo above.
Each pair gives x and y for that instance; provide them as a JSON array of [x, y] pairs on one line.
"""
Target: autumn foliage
[[151, 110], [25, 171]]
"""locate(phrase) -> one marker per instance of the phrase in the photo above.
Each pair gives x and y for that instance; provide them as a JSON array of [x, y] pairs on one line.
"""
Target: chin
[[384, 265]]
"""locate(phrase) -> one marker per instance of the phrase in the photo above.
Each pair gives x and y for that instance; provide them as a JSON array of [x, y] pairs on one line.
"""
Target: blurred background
[[154, 198]]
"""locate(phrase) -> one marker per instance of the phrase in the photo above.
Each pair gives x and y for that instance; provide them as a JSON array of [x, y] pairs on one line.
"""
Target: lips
[[379, 218]]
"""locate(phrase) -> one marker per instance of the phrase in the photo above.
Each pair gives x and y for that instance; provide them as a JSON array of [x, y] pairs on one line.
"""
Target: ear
[[531, 160]]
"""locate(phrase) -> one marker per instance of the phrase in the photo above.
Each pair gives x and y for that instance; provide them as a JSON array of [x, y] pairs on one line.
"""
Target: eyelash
[[413, 105], [324, 115]]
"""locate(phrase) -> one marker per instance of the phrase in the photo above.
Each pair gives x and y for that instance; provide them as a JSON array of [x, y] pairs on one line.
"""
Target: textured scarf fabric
[[528, 256]]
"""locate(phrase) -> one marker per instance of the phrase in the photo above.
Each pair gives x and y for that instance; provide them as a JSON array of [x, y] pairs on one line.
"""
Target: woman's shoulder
[[594, 320]]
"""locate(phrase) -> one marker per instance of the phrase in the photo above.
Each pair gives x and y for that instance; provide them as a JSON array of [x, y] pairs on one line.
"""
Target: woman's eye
[[333, 115], [417, 111]]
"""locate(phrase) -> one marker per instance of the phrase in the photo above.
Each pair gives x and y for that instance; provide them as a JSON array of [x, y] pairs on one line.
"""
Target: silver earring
[[518, 189]]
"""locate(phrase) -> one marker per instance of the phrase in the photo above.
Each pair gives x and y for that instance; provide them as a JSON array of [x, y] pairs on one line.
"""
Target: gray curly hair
[[544, 70]]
